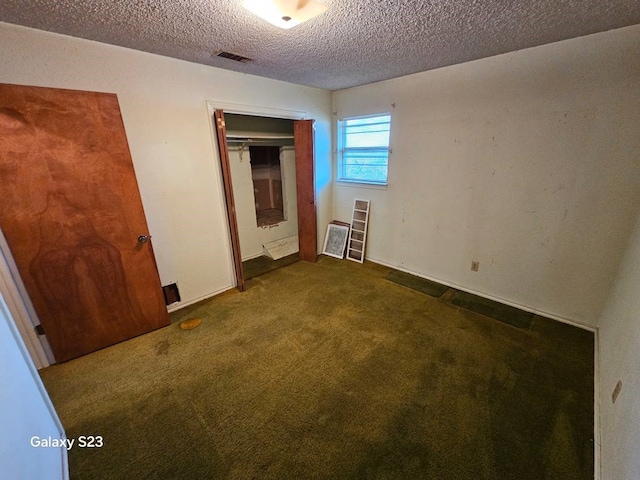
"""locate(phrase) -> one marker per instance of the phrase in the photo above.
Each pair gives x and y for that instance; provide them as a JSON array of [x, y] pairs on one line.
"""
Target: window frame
[[341, 132]]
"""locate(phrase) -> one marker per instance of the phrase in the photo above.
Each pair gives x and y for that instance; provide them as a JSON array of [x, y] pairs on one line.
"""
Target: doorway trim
[[21, 309], [256, 111], [238, 108]]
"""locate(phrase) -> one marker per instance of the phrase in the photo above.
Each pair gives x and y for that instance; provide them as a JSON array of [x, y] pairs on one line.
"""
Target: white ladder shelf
[[358, 232]]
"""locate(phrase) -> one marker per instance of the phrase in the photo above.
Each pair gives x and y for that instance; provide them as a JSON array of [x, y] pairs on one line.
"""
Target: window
[[267, 185], [363, 144]]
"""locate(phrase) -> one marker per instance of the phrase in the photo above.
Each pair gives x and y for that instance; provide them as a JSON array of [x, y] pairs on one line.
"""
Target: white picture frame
[[335, 241]]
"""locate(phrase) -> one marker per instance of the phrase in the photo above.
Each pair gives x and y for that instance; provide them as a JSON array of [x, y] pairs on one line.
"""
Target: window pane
[[365, 173], [365, 149], [373, 138], [367, 132], [366, 157], [367, 120]]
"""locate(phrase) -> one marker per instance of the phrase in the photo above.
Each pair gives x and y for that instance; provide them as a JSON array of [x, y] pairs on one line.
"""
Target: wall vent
[[171, 293], [233, 56]]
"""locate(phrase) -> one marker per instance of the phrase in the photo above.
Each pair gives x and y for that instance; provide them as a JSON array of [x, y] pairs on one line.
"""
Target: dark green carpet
[[417, 283], [330, 371], [498, 311], [263, 264]]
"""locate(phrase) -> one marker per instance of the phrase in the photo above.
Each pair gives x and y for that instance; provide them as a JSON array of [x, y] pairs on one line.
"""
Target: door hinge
[[39, 329]]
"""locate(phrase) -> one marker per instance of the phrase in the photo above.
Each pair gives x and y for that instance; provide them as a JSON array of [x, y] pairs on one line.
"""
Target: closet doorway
[[267, 170]]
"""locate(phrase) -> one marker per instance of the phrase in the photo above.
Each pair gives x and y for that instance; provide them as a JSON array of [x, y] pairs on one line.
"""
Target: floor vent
[[233, 56]]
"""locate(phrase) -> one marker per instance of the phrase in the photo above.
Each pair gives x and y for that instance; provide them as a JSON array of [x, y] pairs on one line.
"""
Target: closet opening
[[267, 170], [266, 173]]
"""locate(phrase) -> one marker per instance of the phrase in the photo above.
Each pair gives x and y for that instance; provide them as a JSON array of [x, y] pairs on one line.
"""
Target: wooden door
[[223, 149], [72, 214], [305, 185]]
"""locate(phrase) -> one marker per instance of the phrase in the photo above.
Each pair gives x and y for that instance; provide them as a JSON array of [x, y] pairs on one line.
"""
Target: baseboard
[[181, 305], [535, 311], [251, 257]]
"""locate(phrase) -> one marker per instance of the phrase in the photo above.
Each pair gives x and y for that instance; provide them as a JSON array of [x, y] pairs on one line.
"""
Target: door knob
[[143, 238]]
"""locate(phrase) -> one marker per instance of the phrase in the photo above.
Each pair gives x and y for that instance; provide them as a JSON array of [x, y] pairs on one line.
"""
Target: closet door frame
[[220, 146]]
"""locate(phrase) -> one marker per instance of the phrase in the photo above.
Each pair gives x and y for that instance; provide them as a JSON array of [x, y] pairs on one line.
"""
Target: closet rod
[[258, 137]]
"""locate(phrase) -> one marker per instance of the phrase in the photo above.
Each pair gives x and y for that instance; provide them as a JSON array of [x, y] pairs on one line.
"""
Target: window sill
[[374, 186]]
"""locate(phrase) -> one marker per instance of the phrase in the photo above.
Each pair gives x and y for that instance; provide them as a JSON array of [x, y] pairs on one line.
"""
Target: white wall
[[527, 162], [163, 103], [253, 237], [26, 412], [619, 354]]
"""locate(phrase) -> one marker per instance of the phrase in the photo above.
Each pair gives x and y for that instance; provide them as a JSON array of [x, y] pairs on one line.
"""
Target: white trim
[[21, 308], [351, 183], [179, 306], [597, 434], [251, 257], [535, 311], [238, 108], [255, 111], [340, 134], [369, 115]]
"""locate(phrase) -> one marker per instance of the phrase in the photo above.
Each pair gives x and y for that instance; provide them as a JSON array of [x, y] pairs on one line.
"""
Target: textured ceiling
[[355, 42]]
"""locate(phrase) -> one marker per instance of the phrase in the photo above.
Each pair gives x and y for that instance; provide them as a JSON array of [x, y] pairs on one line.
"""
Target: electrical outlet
[[475, 266], [616, 391]]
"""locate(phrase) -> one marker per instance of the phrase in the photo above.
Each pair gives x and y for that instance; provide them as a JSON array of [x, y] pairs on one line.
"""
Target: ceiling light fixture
[[285, 13]]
